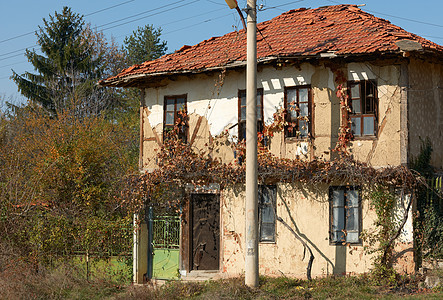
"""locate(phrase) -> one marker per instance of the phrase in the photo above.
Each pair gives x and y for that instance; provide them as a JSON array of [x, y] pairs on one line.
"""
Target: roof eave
[[136, 79]]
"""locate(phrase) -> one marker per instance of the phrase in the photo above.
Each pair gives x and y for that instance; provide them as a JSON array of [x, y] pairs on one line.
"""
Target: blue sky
[[182, 21]]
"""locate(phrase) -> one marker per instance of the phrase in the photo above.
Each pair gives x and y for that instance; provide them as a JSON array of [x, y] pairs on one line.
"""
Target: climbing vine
[[344, 133], [179, 165]]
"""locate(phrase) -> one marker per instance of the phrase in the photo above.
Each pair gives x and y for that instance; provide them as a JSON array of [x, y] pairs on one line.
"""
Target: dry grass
[[19, 280]]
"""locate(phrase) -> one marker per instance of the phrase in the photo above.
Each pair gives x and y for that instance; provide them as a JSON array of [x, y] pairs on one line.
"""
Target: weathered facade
[[394, 89]]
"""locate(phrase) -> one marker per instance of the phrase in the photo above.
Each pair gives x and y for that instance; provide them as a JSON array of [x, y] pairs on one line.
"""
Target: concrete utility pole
[[251, 255], [251, 260]]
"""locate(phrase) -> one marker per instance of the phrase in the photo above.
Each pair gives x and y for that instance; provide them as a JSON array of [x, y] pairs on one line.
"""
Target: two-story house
[[394, 81]]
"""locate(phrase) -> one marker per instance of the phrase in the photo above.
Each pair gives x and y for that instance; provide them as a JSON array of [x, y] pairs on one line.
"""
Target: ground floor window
[[345, 215], [266, 198]]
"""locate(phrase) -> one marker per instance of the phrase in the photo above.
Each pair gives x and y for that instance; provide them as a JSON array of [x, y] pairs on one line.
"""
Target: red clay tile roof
[[341, 29]]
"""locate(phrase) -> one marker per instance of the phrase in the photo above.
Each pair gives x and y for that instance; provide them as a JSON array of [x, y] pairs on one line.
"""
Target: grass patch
[[19, 280], [349, 287]]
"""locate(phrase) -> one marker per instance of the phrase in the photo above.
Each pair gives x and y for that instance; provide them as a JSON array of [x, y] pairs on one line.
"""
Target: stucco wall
[[310, 210], [215, 98], [425, 108], [212, 104]]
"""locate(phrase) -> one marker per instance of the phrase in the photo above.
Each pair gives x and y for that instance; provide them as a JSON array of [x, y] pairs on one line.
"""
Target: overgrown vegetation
[[348, 287], [67, 153], [429, 219], [383, 202], [69, 182]]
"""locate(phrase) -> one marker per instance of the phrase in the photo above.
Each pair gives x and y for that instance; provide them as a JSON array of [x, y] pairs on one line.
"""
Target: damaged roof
[[340, 30]]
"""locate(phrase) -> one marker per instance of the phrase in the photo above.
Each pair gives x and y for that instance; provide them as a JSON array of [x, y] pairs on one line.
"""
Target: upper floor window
[[175, 115], [298, 111], [364, 104], [266, 199], [242, 113], [345, 215]]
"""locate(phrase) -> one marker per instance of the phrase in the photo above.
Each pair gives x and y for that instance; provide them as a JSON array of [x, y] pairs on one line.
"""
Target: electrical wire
[[277, 6], [129, 17], [177, 21], [169, 32], [90, 14], [144, 12], [196, 24], [107, 8], [394, 16], [144, 17], [405, 19]]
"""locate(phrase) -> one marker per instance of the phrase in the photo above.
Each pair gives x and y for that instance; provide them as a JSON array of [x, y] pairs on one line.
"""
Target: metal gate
[[165, 242]]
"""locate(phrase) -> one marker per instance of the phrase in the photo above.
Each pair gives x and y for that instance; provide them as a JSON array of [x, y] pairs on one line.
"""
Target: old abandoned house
[[394, 81]]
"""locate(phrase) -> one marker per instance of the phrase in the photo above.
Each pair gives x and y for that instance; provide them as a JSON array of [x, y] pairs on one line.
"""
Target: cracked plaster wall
[[310, 210], [425, 100], [213, 109], [217, 102]]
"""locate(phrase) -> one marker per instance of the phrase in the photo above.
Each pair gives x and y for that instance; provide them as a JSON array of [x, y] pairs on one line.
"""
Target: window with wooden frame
[[175, 110], [364, 106], [345, 215], [298, 102], [242, 113], [267, 195]]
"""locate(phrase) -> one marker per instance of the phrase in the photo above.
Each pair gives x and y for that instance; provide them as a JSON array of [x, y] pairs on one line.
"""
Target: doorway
[[205, 232]]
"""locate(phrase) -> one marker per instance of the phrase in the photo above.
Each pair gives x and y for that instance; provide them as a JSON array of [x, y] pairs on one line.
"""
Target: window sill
[[268, 242], [346, 243], [364, 138], [290, 140]]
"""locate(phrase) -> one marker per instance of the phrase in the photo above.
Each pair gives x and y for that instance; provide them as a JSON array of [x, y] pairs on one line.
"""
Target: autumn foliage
[[59, 183]]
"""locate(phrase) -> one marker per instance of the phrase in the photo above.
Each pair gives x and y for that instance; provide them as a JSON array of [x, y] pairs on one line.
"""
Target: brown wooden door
[[205, 232]]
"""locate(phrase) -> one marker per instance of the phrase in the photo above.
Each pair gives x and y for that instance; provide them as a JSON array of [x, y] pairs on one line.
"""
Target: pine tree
[[144, 44], [68, 67]]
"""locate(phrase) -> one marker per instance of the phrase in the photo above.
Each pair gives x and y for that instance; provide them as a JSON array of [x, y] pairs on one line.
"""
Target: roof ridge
[[299, 33]]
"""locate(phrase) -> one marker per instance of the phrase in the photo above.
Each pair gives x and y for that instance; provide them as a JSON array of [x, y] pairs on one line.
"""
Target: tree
[[71, 63], [60, 180], [144, 44]]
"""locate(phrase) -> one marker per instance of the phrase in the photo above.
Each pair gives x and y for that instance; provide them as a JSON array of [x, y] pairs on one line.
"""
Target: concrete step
[[200, 275]]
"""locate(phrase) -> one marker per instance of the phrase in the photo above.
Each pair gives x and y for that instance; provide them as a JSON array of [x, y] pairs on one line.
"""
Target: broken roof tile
[[346, 29]]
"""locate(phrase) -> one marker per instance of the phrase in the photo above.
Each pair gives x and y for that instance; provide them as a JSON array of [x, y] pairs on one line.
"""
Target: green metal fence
[[166, 240], [434, 193], [166, 232]]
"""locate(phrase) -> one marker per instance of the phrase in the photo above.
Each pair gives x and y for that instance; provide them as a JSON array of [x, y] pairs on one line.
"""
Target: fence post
[[150, 243]]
